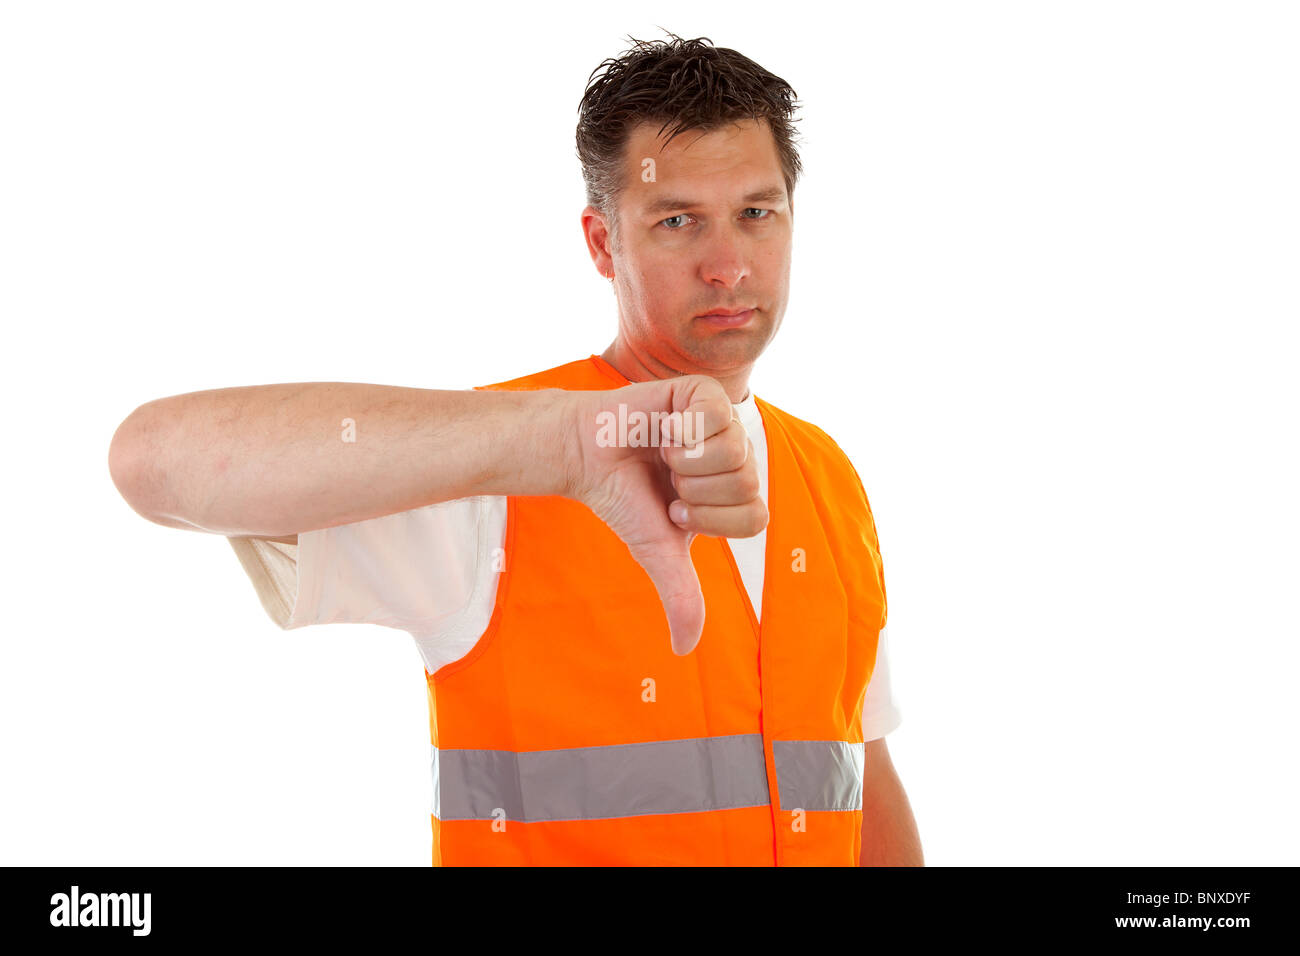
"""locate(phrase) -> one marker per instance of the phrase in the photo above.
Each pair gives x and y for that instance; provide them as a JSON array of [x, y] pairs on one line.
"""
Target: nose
[[726, 260]]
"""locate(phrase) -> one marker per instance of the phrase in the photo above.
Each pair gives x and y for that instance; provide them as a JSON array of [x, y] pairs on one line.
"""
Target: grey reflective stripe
[[593, 783], [819, 774], [662, 776]]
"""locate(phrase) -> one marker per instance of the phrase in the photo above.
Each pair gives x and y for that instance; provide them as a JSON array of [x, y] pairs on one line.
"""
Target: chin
[[727, 349]]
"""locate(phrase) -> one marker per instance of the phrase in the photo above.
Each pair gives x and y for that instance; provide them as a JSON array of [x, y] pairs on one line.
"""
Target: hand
[[700, 478]]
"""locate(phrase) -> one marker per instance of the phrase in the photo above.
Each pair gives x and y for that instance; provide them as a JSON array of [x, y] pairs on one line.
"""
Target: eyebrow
[[668, 203]]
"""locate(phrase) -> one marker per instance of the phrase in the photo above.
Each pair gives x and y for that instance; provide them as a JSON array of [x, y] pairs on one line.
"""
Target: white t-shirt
[[432, 572]]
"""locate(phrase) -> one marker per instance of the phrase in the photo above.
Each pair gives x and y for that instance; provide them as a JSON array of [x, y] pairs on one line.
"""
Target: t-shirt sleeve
[[411, 570], [880, 713]]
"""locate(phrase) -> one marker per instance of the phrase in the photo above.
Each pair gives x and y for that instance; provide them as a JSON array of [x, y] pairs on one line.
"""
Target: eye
[[681, 215]]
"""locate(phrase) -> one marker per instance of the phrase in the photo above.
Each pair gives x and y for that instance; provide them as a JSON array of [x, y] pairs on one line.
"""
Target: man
[[626, 662]]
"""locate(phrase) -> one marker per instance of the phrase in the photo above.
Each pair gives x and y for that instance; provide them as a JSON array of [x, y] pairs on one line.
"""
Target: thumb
[[673, 575]]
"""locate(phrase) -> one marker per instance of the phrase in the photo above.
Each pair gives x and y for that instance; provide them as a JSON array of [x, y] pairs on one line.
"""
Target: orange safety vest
[[572, 735]]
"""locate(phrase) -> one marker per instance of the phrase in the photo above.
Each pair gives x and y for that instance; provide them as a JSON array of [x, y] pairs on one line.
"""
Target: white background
[[1044, 294]]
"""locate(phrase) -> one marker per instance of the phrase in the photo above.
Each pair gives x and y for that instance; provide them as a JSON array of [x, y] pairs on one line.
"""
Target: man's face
[[712, 231]]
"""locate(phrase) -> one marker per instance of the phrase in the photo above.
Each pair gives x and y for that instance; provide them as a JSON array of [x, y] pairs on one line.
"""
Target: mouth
[[727, 318]]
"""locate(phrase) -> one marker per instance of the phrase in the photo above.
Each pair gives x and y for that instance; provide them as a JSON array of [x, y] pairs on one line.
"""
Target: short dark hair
[[690, 84]]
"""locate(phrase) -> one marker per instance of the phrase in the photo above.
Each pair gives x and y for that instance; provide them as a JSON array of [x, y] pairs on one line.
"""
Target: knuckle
[[739, 453]]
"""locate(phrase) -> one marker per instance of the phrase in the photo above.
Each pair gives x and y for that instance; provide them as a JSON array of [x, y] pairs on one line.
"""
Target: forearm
[[275, 460], [889, 833]]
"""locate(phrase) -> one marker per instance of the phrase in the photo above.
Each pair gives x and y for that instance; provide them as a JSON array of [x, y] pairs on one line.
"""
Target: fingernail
[[677, 511]]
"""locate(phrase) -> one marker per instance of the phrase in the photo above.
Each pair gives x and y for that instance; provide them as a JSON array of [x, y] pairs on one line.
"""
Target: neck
[[644, 368]]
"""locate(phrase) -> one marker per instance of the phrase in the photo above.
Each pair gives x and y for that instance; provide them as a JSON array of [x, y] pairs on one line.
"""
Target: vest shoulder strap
[[814, 445]]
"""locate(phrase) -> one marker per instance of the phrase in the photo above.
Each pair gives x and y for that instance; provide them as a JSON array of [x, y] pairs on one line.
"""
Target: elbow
[[132, 464]]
